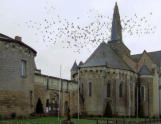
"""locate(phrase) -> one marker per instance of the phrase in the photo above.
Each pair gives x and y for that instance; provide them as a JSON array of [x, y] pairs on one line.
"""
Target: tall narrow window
[[23, 68], [120, 90], [108, 90], [142, 92], [31, 98], [90, 89]]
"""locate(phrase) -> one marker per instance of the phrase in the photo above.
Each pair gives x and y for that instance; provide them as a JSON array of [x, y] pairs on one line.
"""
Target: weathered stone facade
[[21, 84], [52, 88], [14, 88], [129, 83], [100, 77]]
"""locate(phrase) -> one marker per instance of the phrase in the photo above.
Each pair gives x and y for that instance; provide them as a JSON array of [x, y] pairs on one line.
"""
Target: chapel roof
[[105, 56], [155, 56]]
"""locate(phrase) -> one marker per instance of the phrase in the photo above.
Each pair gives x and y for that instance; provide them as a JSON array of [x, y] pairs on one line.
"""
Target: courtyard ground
[[55, 120]]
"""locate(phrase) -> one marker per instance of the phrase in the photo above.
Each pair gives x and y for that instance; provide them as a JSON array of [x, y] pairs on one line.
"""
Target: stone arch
[[54, 103]]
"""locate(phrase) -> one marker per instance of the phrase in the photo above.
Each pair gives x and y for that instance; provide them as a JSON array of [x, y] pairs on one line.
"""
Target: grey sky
[[13, 14]]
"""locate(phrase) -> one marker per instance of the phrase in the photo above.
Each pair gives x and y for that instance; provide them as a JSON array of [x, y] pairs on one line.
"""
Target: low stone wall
[[14, 102]]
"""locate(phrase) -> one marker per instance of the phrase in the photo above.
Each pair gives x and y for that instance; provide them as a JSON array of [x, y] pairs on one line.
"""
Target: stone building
[[49, 89], [112, 76], [17, 68], [21, 84]]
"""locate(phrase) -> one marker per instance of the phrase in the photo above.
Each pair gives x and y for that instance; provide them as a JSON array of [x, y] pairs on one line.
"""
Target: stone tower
[[116, 42], [74, 71]]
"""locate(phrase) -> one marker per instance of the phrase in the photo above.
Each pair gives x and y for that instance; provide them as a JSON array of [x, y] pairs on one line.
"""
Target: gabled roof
[[105, 56], [74, 67], [144, 70], [155, 56], [136, 57]]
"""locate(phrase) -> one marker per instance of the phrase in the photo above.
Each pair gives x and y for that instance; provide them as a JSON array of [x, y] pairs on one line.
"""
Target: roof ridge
[[147, 52]]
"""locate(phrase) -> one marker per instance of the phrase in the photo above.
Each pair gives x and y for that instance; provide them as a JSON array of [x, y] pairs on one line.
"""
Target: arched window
[[108, 90], [120, 90], [142, 92], [90, 89]]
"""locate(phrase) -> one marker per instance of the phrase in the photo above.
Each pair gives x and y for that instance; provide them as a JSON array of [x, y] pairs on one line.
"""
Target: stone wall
[[13, 101], [53, 88], [15, 89], [100, 77]]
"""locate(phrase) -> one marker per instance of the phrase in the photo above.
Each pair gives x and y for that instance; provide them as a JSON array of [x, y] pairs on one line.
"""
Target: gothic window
[[108, 90], [67, 86], [120, 90], [23, 68], [90, 89], [47, 103], [31, 98], [142, 92]]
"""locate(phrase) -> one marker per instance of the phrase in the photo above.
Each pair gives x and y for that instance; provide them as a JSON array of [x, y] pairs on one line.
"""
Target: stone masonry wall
[[100, 77], [13, 101], [13, 87]]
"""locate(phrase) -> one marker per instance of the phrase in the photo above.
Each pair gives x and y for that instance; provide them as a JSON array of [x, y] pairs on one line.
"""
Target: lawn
[[54, 120], [49, 120]]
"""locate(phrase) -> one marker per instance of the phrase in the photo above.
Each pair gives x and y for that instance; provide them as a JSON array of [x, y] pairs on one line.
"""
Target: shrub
[[39, 107], [1, 117], [108, 110], [13, 115]]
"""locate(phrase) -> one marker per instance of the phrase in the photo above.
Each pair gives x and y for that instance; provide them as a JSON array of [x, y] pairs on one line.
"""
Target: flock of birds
[[75, 35]]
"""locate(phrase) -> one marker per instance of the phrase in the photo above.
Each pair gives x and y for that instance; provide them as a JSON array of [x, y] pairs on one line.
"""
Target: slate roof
[[155, 56], [74, 67], [9, 39], [105, 56], [144, 70]]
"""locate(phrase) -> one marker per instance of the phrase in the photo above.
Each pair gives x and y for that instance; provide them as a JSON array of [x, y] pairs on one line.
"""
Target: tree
[[108, 110], [39, 107]]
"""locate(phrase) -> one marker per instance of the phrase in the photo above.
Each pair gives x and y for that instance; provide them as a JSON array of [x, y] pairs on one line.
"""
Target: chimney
[[18, 38]]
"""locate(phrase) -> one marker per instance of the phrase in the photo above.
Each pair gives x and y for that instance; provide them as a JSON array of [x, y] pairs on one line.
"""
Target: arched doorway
[[53, 104]]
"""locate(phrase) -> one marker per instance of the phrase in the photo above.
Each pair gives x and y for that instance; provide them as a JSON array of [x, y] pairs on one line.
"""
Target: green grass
[[121, 119], [50, 120], [54, 120], [37, 120]]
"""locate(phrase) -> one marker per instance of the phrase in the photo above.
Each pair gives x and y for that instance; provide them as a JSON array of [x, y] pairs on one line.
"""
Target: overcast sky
[[14, 14]]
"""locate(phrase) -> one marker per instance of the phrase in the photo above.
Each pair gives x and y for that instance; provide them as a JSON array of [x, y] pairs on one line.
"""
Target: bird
[[56, 29]]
